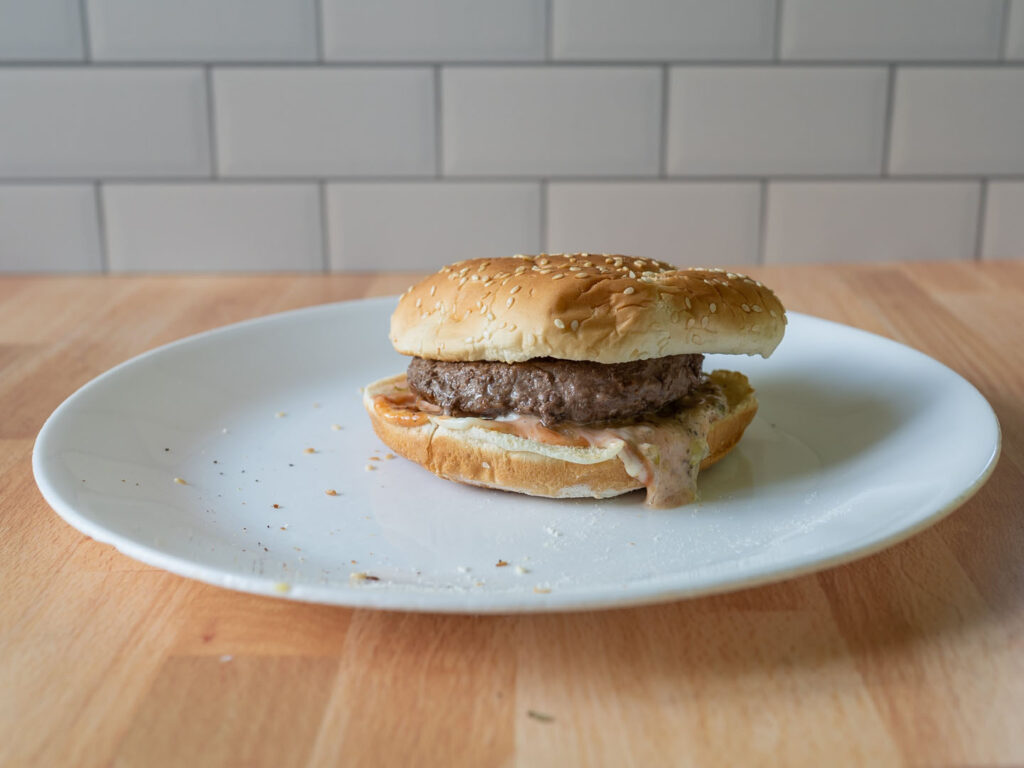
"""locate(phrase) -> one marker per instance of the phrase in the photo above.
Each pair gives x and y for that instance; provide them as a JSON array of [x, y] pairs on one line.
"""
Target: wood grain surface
[[914, 656]]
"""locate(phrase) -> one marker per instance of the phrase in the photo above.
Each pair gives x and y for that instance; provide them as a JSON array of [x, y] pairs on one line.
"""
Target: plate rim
[[434, 601]]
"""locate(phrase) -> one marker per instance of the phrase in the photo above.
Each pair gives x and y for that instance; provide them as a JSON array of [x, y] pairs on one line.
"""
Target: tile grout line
[[663, 138], [979, 234], [211, 123], [762, 235], [890, 98], [921, 178], [549, 30], [101, 228], [1004, 32], [438, 126], [318, 9], [325, 230], [83, 10], [777, 33], [1010, 64]]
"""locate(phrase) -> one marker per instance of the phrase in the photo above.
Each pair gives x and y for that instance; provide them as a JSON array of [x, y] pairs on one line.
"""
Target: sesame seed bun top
[[605, 308]]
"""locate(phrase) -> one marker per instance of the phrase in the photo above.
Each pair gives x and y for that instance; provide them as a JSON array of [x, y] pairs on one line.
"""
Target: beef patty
[[555, 390]]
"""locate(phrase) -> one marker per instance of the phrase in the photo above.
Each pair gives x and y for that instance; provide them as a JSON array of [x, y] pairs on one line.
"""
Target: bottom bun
[[521, 455]]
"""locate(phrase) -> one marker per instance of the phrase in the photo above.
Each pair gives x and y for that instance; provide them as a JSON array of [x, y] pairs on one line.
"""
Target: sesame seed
[[772, 313], [581, 275], [575, 325], [704, 321], [574, 269], [558, 276], [515, 289], [745, 307], [462, 281], [490, 316], [690, 322], [713, 307], [433, 290], [559, 323], [629, 290], [419, 303], [756, 307], [689, 304], [510, 302], [632, 274]]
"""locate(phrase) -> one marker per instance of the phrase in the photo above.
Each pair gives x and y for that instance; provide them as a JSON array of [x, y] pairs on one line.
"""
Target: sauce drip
[[662, 452]]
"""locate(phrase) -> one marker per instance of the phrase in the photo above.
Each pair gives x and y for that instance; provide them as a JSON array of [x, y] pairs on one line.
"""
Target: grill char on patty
[[555, 390]]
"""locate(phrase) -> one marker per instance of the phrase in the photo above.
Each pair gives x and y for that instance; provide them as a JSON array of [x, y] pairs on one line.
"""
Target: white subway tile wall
[[646, 30], [233, 135], [1003, 237], [779, 120], [418, 225], [41, 30], [102, 123], [432, 30], [907, 30], [324, 122], [1015, 30], [203, 30], [709, 224], [870, 221], [960, 121], [551, 121], [213, 227], [70, 239]]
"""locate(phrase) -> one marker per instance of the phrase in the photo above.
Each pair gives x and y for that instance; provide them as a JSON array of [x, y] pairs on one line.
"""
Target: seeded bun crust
[[493, 459], [604, 308]]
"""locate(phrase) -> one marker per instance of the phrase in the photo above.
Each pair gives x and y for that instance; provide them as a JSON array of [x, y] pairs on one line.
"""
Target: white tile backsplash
[[779, 120], [1004, 221], [422, 225], [681, 223], [41, 30], [203, 30], [213, 227], [73, 123], [325, 122], [958, 121], [49, 228], [897, 30], [547, 121], [434, 30], [414, 131], [604, 30], [1015, 30], [870, 221]]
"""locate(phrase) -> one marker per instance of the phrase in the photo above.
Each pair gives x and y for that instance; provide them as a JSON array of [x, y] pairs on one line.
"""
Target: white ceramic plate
[[859, 443]]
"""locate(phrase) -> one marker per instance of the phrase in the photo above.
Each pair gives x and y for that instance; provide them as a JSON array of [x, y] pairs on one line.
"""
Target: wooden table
[[912, 656]]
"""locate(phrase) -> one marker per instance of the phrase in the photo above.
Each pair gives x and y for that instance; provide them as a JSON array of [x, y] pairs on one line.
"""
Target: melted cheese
[[662, 452]]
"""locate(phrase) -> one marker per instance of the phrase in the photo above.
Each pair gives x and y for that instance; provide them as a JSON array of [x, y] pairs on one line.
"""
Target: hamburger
[[573, 375]]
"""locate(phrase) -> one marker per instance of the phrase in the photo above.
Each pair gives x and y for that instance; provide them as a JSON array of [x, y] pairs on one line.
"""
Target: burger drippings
[[663, 452]]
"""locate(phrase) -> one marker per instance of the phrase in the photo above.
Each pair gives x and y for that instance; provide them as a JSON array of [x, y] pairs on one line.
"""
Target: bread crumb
[[336, 427], [282, 587], [331, 492], [501, 564], [280, 415], [542, 590], [180, 481], [370, 467], [362, 576], [389, 456], [309, 450]]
